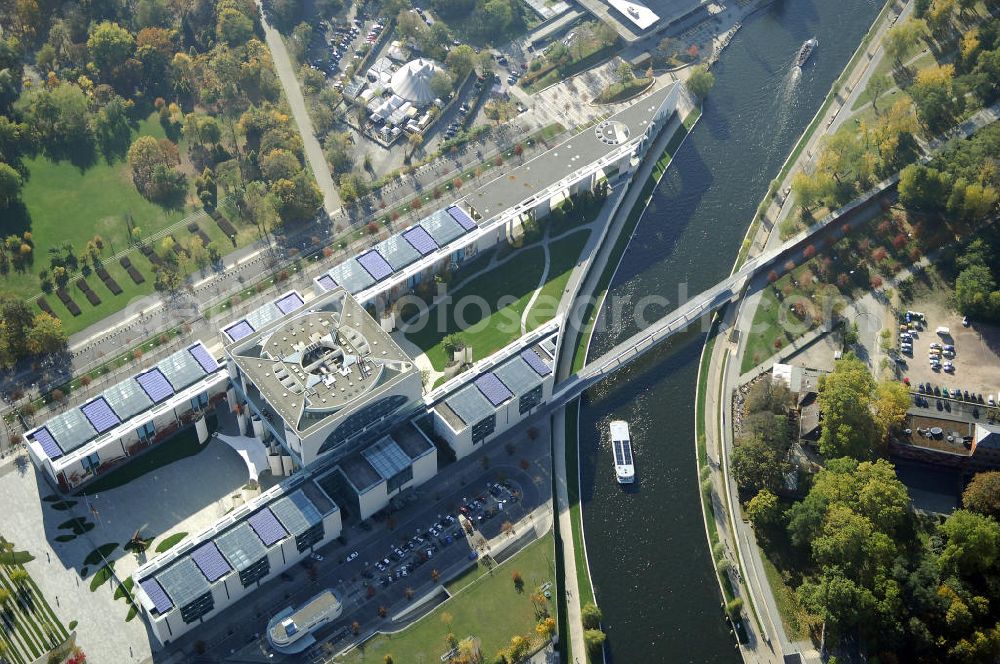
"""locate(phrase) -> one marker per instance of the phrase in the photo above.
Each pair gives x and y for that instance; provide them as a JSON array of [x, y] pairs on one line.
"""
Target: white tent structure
[[412, 81]]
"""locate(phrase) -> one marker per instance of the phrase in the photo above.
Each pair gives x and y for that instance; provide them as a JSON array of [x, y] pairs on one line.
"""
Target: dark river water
[[648, 554]]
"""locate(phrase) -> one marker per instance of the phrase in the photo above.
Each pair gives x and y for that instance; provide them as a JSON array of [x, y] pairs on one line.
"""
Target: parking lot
[[964, 359], [413, 542]]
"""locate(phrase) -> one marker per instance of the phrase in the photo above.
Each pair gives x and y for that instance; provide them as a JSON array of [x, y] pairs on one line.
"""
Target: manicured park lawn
[[66, 204], [564, 254], [510, 284], [489, 609]]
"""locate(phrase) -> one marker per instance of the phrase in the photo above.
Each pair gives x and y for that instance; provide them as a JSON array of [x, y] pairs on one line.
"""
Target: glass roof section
[[183, 582], [351, 276], [387, 458], [442, 227], [71, 430], [181, 369], [127, 399], [397, 252], [518, 376], [241, 546], [296, 512]]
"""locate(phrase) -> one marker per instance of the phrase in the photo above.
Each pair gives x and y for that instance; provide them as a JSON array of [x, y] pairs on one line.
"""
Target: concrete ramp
[[252, 451]]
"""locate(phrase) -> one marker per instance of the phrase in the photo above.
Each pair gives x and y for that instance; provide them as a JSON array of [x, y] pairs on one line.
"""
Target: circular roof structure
[[412, 81]]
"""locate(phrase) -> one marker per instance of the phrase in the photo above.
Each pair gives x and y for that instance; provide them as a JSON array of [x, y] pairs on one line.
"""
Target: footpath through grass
[[485, 313], [564, 254], [490, 609]]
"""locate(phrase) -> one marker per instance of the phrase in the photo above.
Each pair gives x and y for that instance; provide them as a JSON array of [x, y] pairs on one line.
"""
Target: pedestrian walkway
[[293, 94]]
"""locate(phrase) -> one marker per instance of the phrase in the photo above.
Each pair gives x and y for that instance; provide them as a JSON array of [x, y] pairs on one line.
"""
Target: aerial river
[[648, 554]]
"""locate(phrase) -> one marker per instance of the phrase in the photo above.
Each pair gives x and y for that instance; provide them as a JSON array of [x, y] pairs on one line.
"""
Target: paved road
[[290, 84]]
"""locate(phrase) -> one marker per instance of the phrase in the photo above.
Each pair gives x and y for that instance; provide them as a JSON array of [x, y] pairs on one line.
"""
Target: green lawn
[[490, 609], [169, 541], [564, 254], [181, 446], [66, 204], [511, 284]]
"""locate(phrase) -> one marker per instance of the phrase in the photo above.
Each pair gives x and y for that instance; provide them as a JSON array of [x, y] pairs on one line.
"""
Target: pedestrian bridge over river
[[820, 234]]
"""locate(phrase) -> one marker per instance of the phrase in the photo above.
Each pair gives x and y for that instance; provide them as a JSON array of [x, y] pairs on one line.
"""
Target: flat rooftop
[[320, 358], [550, 167], [637, 13], [134, 396], [512, 378], [304, 618]]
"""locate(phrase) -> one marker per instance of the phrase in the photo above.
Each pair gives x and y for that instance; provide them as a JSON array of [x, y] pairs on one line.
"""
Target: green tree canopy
[[10, 185], [845, 400], [109, 45], [700, 81], [973, 542], [982, 494]]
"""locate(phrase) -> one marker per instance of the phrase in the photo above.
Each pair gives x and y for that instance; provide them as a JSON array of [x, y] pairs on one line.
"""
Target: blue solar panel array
[[203, 357], [535, 362], [267, 527], [155, 385], [463, 219], [239, 330], [421, 240], [493, 389], [289, 303], [48, 443], [375, 265], [210, 561], [432, 232], [100, 415], [155, 592]]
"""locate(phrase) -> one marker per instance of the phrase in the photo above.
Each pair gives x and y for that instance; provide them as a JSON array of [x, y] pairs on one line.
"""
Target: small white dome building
[[412, 81]]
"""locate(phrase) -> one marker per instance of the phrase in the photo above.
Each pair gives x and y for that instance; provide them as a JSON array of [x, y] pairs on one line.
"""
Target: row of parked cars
[[956, 393]]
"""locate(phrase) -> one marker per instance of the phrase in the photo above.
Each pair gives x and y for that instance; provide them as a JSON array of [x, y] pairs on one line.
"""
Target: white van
[[943, 331]]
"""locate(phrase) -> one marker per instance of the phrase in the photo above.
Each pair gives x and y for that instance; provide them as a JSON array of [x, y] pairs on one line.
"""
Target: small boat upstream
[[621, 446]]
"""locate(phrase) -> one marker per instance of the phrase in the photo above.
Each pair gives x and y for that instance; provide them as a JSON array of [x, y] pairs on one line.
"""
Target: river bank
[[686, 239]]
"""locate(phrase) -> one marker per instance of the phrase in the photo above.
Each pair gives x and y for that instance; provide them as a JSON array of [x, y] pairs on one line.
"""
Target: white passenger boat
[[621, 446], [805, 51]]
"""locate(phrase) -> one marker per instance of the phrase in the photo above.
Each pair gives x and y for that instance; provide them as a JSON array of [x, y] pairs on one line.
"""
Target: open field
[[66, 204], [490, 609]]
